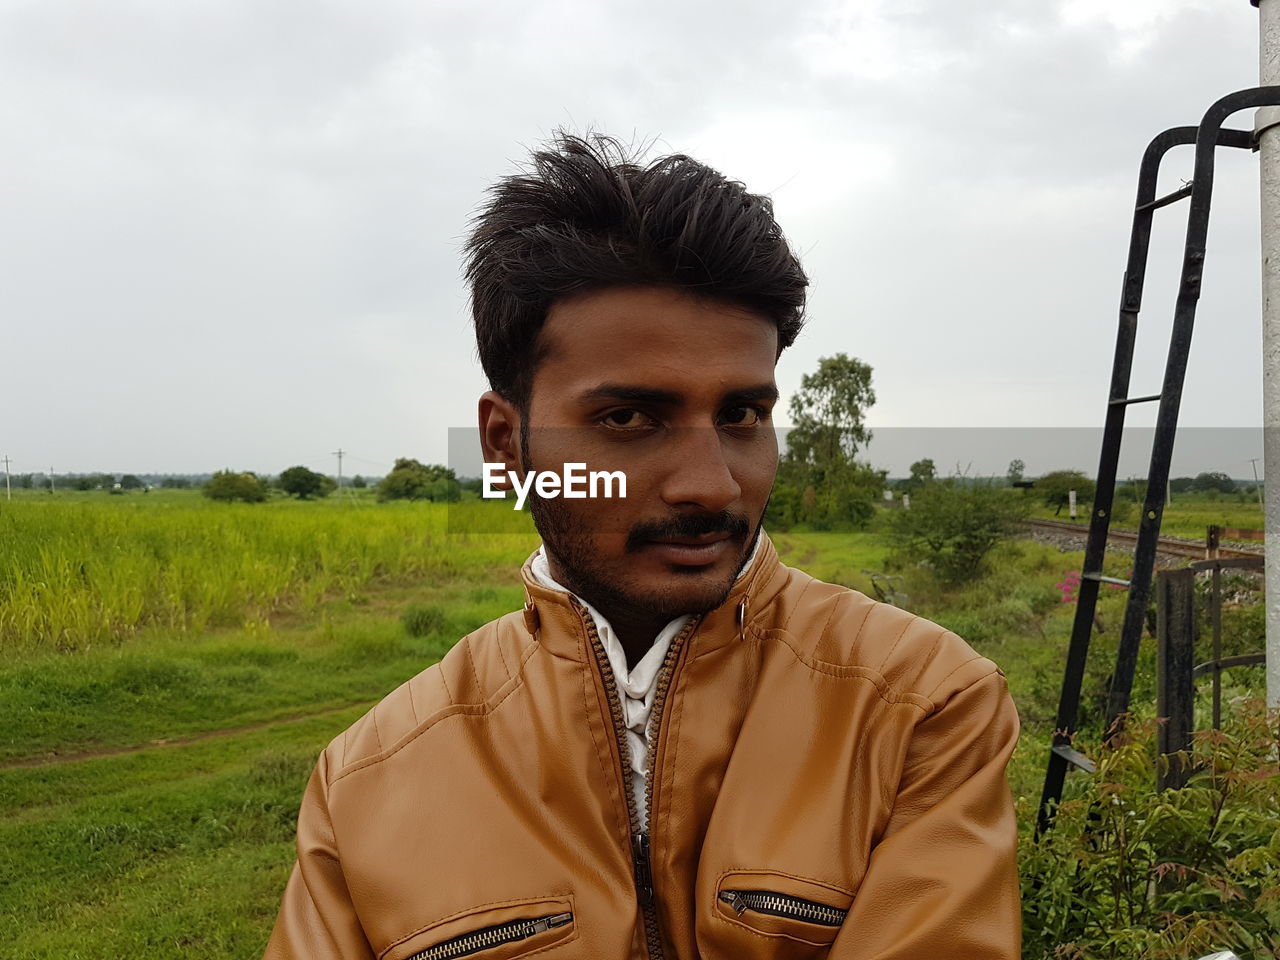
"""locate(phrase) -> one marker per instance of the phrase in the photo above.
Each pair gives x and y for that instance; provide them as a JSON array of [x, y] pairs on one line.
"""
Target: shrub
[[953, 527], [1055, 488], [423, 619], [228, 485], [411, 480], [1127, 872]]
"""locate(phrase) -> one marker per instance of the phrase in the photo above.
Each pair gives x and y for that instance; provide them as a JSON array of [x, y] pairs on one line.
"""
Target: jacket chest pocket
[[499, 931], [783, 917]]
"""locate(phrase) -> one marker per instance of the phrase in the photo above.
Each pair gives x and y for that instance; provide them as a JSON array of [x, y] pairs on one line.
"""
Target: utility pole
[[8, 491], [1257, 487], [1267, 127], [338, 453], [51, 481]]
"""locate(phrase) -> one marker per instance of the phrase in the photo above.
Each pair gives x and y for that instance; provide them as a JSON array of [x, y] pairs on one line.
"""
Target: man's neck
[[635, 634], [635, 629]]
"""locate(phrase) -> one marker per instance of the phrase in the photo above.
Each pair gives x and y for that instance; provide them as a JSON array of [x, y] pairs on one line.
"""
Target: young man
[[679, 748]]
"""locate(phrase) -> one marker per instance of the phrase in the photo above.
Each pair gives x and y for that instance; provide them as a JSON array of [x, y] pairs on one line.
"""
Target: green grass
[[181, 846], [77, 572], [170, 852], [1187, 515]]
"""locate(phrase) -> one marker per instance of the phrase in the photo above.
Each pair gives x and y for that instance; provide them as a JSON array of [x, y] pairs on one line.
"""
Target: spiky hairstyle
[[586, 216]]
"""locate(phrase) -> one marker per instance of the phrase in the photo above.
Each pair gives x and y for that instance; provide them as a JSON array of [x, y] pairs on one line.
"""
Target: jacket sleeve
[[317, 920], [943, 881]]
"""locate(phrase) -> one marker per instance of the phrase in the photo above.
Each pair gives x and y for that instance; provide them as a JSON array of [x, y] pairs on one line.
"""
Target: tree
[[176, 483], [1016, 469], [130, 482], [1056, 486], [411, 480], [359, 482], [304, 483], [827, 412], [819, 482], [1213, 480], [922, 472], [228, 485], [1181, 484]]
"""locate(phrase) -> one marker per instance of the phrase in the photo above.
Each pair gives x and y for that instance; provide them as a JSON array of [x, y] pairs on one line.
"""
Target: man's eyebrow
[[653, 396], [630, 393], [765, 391]]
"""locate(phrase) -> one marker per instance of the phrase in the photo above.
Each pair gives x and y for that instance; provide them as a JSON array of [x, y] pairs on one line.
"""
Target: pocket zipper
[[494, 936], [783, 905]]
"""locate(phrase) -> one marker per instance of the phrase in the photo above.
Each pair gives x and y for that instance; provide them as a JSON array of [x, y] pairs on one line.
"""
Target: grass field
[[156, 731], [1188, 515]]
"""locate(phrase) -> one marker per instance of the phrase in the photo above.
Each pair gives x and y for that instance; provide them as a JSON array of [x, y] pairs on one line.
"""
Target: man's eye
[[742, 416], [626, 420]]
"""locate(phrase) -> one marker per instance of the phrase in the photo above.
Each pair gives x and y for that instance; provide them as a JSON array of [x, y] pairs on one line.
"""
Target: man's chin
[[676, 590]]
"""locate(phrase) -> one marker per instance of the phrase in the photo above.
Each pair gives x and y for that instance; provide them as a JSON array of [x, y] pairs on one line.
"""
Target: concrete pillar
[[1268, 123]]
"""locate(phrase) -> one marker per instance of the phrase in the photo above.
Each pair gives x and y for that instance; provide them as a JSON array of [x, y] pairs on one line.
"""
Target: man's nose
[[697, 472]]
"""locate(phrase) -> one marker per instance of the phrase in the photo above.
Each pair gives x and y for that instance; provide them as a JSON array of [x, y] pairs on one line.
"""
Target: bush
[[1127, 872], [1055, 488], [227, 485], [411, 480], [305, 483], [1121, 509], [423, 619], [953, 527]]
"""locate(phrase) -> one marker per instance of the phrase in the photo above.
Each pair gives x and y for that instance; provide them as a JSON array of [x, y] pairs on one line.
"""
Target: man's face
[[676, 392]]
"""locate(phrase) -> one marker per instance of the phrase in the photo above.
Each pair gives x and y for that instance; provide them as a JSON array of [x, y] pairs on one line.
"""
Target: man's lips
[[690, 551]]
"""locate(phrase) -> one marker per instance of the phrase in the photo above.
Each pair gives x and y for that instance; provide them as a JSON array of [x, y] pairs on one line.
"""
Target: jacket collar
[[551, 616]]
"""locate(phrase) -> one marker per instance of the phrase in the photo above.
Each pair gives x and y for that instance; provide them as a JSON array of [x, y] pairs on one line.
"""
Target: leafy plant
[[1128, 872], [305, 483], [1055, 488], [229, 485], [411, 480], [953, 526], [423, 619]]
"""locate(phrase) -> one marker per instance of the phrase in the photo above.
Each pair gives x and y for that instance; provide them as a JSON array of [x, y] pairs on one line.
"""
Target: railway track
[[1128, 539]]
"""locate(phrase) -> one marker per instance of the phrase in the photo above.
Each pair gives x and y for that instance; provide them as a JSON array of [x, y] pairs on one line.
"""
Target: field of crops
[[82, 570], [171, 667]]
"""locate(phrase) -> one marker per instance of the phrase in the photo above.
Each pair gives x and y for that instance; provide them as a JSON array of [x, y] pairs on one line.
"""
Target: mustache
[[689, 525]]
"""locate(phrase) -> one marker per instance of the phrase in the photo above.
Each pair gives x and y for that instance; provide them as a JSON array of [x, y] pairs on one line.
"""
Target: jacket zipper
[[493, 936], [783, 905], [640, 859]]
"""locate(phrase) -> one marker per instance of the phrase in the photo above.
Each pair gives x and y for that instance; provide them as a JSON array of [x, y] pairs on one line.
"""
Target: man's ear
[[500, 433]]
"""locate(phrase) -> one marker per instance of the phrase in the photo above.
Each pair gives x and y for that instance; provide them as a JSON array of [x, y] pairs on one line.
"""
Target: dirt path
[[50, 760]]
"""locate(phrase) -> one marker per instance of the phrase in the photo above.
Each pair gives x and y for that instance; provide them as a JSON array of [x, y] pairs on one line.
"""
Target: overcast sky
[[230, 232]]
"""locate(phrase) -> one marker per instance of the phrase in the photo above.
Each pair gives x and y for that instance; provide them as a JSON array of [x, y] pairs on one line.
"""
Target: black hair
[[587, 216]]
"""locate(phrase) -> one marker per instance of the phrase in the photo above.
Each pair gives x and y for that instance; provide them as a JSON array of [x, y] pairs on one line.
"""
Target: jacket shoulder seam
[[985, 674], [480, 709], [886, 691]]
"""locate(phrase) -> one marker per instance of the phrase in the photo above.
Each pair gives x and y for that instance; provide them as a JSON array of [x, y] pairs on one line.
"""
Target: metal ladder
[[1207, 137]]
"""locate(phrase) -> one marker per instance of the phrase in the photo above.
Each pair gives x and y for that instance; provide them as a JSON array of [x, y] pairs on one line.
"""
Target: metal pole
[[1267, 123]]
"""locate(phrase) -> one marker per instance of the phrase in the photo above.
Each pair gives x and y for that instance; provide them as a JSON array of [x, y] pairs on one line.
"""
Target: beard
[[568, 538]]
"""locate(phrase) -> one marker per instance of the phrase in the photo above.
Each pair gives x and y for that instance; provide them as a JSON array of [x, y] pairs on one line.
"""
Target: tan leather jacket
[[828, 780]]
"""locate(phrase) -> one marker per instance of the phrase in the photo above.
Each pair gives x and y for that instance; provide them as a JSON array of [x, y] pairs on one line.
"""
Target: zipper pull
[[735, 900], [546, 923], [643, 866]]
